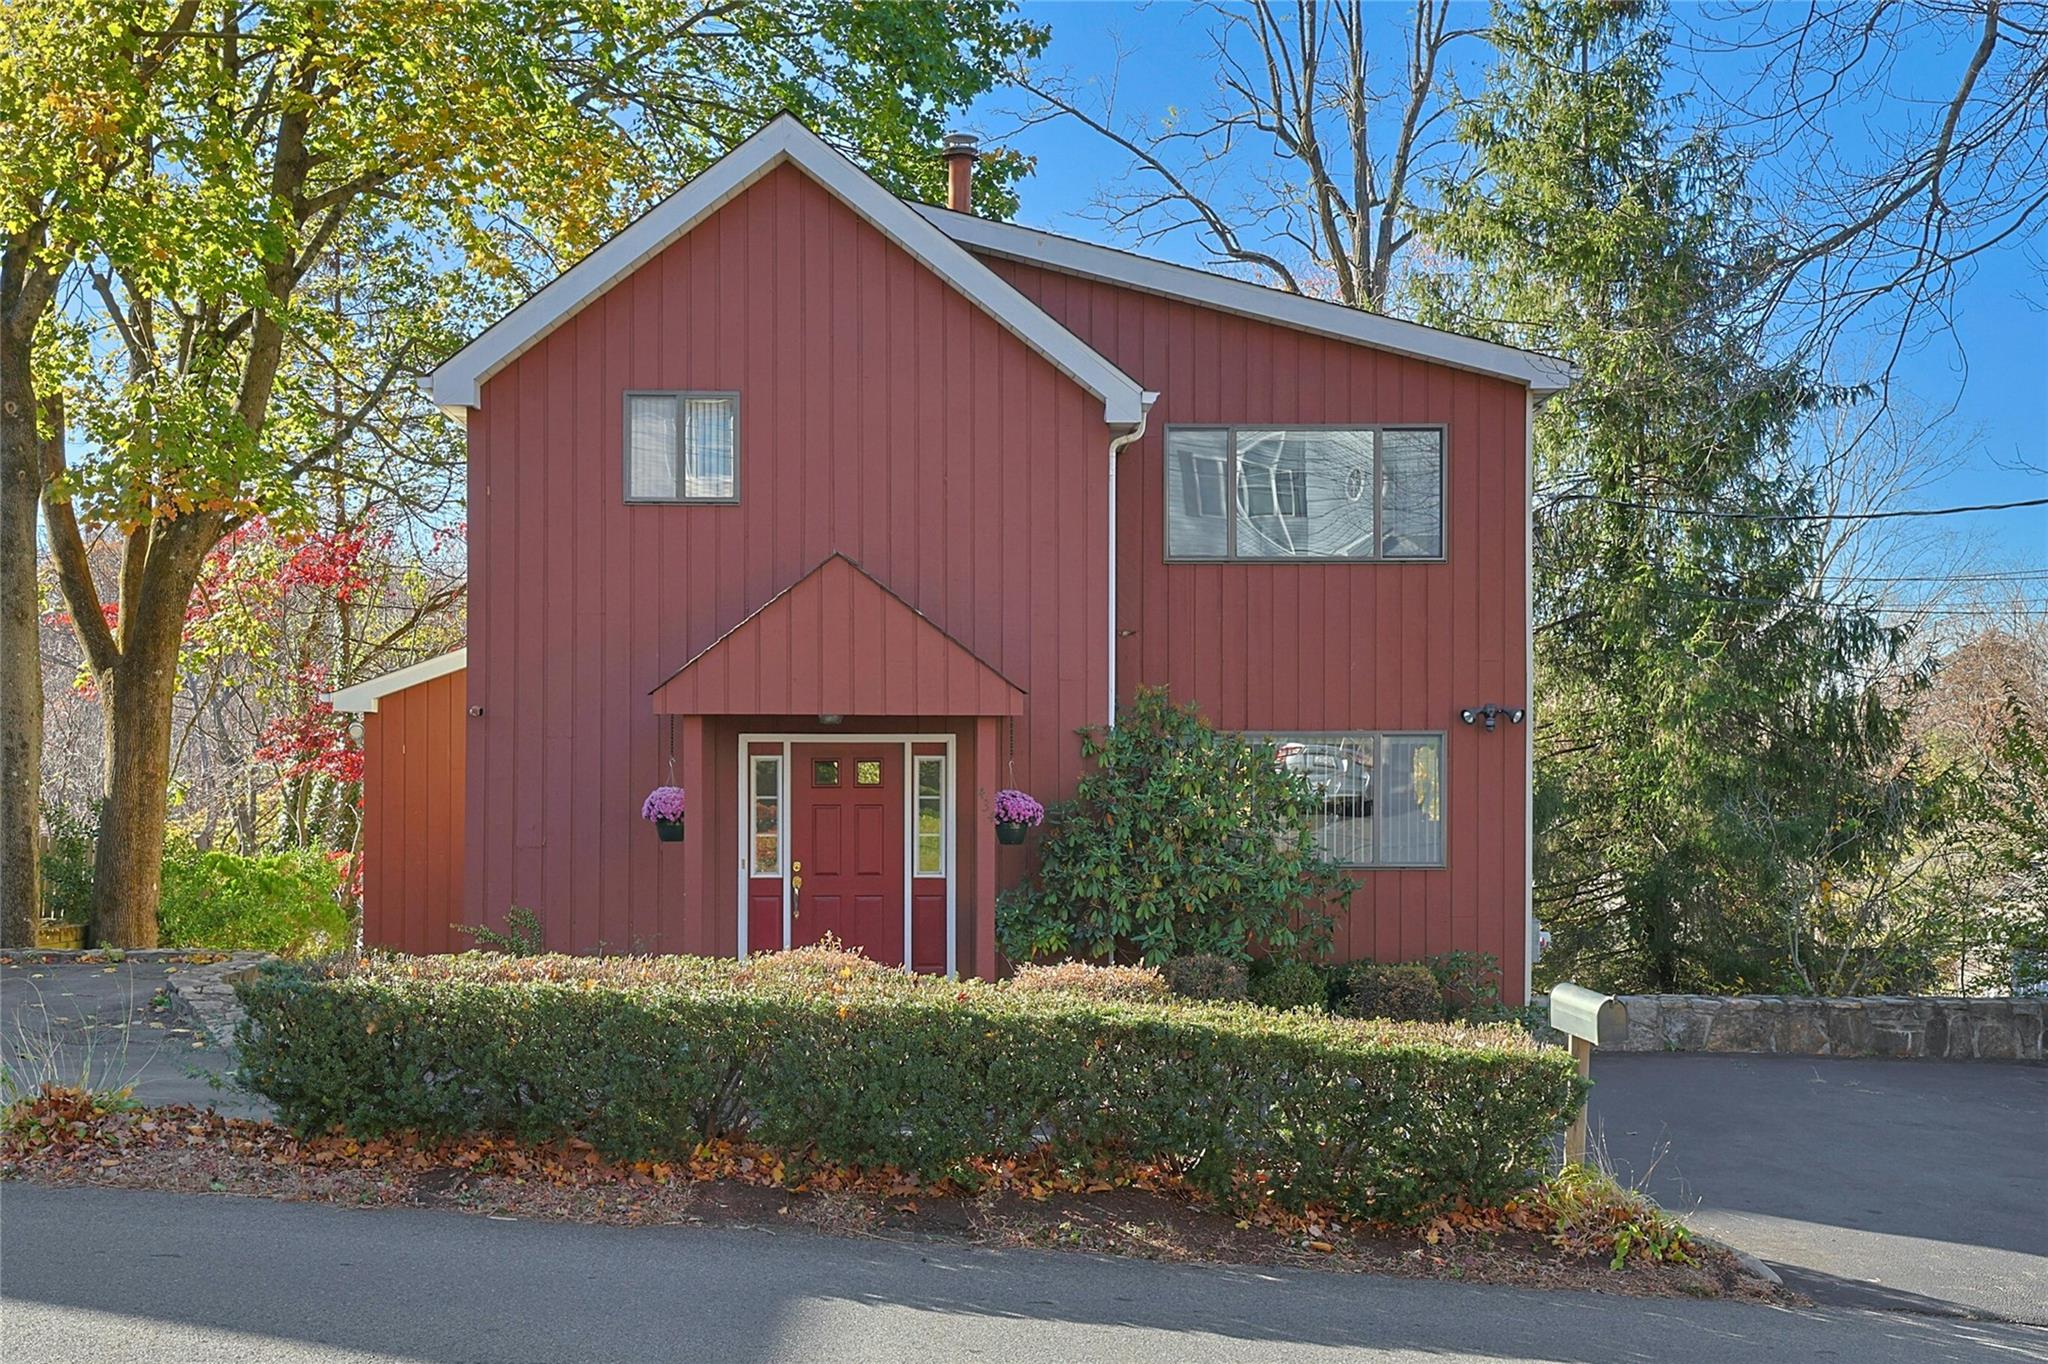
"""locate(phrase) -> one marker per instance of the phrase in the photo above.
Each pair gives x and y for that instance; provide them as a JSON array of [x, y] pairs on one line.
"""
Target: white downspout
[[1529, 697], [1116, 447]]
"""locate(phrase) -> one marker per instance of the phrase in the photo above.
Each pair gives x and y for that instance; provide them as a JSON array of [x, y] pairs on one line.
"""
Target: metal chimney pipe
[[961, 151]]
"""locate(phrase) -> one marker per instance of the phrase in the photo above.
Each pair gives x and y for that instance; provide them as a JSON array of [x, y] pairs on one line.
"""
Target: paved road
[[113, 1024], [106, 1276], [1913, 1185]]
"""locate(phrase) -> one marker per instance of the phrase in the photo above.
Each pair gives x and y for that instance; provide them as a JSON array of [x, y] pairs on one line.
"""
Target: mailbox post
[[1588, 1019]]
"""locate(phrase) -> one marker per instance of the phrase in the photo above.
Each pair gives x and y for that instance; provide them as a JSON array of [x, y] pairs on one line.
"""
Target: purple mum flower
[[1014, 807], [664, 805]]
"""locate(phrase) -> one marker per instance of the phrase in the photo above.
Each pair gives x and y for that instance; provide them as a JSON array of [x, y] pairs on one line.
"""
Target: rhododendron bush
[[1183, 840]]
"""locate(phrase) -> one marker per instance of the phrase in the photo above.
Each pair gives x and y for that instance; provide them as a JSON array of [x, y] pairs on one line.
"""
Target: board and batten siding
[[413, 815], [1377, 646], [881, 415]]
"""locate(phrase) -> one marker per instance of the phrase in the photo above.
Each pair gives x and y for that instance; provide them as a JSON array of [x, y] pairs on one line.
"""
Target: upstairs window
[[682, 447], [1304, 493]]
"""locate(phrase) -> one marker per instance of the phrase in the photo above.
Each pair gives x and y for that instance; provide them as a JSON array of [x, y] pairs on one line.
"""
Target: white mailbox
[[1589, 1020], [1578, 1012]]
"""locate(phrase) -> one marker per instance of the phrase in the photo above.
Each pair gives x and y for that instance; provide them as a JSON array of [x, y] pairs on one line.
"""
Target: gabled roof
[[1544, 374], [361, 699], [837, 642], [458, 383]]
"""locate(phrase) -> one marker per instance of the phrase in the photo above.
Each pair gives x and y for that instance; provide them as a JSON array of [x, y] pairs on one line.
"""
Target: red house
[[844, 512]]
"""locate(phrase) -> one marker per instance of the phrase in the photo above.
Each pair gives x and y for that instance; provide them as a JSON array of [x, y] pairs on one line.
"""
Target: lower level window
[[1383, 794]]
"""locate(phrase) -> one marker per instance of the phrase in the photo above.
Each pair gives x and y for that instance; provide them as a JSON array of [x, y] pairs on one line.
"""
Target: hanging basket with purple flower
[[1016, 812], [664, 809]]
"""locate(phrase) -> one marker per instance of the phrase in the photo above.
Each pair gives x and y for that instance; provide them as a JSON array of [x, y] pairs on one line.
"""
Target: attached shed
[[414, 779]]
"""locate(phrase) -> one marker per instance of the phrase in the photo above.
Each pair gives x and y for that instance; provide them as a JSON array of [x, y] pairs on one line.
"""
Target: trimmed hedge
[[826, 1060]]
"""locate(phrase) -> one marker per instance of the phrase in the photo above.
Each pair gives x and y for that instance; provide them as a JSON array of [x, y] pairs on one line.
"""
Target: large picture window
[[682, 447], [1304, 492], [1383, 794]]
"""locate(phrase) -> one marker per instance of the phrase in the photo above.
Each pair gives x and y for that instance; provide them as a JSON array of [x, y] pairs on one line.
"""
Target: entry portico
[[848, 752]]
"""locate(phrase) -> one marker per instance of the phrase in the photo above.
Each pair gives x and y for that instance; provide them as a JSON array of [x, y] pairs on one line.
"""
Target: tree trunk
[[135, 709], [138, 684], [21, 669]]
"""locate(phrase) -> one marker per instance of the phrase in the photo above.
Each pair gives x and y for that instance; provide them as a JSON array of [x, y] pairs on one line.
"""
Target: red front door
[[846, 846]]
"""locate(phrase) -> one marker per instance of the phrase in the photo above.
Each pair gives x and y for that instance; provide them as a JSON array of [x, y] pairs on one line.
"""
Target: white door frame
[[788, 741]]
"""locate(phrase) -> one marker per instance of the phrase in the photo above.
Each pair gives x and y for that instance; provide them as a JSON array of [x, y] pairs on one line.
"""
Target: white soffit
[[361, 699], [458, 383], [1544, 374]]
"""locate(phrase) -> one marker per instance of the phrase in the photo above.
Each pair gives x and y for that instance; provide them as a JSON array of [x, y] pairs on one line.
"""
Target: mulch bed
[[66, 1137]]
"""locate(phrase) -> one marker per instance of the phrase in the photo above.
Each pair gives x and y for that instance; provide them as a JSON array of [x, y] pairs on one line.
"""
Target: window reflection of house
[[1309, 492], [1304, 494]]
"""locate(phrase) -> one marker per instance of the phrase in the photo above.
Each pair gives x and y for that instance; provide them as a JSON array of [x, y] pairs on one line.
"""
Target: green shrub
[[645, 1057], [1135, 984], [520, 938], [1291, 985], [67, 864], [285, 902], [1470, 985], [1204, 975], [1408, 991], [1183, 840]]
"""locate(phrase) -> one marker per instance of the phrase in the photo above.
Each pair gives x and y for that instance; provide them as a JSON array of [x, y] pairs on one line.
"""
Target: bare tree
[[1950, 103], [1308, 163]]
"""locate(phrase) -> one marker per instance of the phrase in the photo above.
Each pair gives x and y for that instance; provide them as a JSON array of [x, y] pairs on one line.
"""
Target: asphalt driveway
[[1918, 1186], [114, 1024]]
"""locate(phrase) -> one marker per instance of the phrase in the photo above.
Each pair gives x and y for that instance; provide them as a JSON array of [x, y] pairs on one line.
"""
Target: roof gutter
[[362, 698], [1116, 447]]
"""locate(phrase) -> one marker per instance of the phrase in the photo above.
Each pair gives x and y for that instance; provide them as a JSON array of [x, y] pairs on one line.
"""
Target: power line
[[2030, 608], [1895, 514], [2025, 607], [2009, 576]]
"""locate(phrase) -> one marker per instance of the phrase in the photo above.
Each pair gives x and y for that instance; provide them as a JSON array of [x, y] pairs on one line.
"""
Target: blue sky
[[1990, 366]]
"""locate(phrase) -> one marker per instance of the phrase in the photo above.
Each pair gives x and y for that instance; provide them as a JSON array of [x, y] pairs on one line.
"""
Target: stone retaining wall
[[1876, 1025], [208, 994]]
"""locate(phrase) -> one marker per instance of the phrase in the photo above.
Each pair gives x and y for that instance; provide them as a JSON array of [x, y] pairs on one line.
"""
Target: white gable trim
[[361, 699], [1544, 374], [458, 383]]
